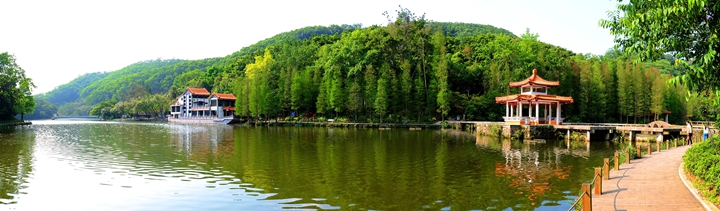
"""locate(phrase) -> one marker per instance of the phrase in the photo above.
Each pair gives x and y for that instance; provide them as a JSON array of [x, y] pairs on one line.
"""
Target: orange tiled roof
[[534, 79], [198, 91], [222, 96], [522, 97]]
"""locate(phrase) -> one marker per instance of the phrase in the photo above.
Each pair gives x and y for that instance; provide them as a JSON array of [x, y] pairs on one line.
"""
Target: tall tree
[[625, 90], [381, 96], [441, 73], [657, 94]]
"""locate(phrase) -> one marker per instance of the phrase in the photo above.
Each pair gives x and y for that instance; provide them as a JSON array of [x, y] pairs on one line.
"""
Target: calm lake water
[[55, 165]]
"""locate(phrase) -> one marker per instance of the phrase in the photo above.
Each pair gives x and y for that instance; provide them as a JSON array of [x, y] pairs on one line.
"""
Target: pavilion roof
[[523, 97], [198, 91], [534, 79]]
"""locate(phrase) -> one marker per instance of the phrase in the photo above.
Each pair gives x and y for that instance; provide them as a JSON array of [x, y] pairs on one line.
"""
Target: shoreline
[[12, 124], [347, 124]]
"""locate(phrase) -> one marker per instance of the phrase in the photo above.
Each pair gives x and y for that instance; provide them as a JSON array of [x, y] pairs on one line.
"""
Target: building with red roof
[[198, 103], [534, 99]]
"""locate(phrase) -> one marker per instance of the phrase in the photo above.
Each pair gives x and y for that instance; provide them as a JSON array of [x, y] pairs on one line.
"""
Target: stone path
[[649, 183]]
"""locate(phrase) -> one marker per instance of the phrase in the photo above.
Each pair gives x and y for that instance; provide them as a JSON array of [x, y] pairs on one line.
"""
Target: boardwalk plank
[[649, 183]]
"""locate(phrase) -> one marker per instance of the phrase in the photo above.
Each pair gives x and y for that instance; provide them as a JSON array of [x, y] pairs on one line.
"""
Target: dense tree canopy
[[15, 89], [43, 110], [686, 29], [412, 69]]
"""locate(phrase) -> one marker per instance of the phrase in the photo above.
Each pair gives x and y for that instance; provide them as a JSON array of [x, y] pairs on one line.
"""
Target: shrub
[[322, 119], [579, 137], [623, 152], [703, 161], [519, 134], [546, 131], [495, 130]]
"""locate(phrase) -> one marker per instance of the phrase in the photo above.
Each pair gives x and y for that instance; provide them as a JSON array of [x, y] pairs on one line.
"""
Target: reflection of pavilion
[[533, 94], [530, 171], [530, 175]]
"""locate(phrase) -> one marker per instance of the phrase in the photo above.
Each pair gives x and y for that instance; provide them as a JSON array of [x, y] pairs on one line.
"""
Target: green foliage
[[633, 152], [43, 110], [15, 89], [70, 91], [464, 30], [703, 161], [103, 109], [154, 105], [519, 134], [410, 69], [495, 130], [441, 72], [78, 108], [545, 132], [686, 29], [578, 137]]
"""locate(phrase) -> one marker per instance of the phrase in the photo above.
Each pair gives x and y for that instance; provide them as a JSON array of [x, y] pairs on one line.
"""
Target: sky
[[57, 41]]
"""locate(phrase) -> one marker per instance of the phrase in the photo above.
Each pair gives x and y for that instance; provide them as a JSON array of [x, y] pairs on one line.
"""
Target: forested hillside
[[411, 69], [171, 76], [71, 91]]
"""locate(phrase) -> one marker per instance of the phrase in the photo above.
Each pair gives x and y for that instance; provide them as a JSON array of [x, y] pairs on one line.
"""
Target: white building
[[192, 103]]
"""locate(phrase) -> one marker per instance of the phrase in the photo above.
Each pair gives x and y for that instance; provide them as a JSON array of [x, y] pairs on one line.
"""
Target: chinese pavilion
[[534, 99]]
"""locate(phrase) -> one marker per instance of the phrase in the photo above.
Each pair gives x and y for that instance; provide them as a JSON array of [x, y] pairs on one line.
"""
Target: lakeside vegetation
[[15, 89], [411, 69]]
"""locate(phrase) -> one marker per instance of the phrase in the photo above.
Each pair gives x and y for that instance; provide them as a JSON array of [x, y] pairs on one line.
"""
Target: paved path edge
[[707, 204]]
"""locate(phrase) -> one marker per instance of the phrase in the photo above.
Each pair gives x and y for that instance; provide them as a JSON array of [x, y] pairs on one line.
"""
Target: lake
[[66, 165]]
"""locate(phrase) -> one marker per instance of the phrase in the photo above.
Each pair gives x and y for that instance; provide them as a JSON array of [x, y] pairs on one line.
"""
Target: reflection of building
[[533, 96], [198, 103], [198, 142]]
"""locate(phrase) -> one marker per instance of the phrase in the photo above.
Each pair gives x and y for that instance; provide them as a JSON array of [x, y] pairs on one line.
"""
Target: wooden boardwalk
[[649, 183]]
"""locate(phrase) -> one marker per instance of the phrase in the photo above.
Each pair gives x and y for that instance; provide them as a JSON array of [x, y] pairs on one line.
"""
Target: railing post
[[675, 143], [606, 168], [617, 158], [638, 151], [658, 146], [649, 148], [667, 145], [628, 157], [598, 181], [586, 199]]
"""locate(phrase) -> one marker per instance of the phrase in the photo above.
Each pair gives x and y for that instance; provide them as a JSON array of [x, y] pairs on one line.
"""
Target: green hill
[[157, 76], [70, 91]]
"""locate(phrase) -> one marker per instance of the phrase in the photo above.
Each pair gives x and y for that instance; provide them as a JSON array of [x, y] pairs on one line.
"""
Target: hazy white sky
[[56, 41]]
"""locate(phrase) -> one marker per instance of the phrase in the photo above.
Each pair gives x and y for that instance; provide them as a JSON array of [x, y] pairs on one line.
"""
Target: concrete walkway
[[649, 183]]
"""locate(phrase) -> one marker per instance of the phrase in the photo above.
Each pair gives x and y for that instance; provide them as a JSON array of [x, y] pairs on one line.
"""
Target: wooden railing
[[585, 198]]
